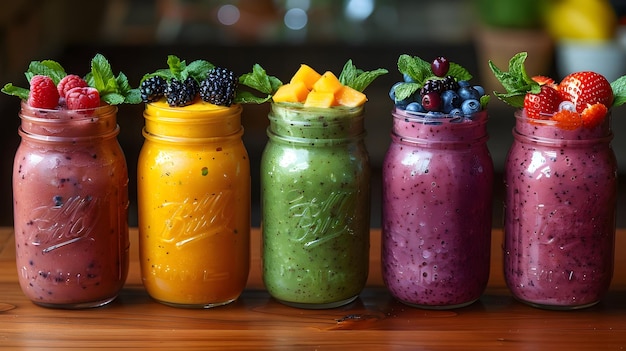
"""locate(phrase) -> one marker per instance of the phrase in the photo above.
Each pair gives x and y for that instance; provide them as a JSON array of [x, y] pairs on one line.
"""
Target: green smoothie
[[315, 206]]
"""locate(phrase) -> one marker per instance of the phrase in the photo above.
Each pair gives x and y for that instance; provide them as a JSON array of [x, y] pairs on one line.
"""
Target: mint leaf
[[619, 91], [259, 80], [102, 75], [406, 90], [176, 66], [516, 81], [246, 97], [358, 79], [10, 89], [459, 72], [198, 69], [416, 68], [48, 68]]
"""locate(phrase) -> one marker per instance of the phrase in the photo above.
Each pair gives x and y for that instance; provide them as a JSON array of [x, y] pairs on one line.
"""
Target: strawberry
[[568, 120], [586, 88], [68, 82], [543, 80], [546, 102], [82, 97], [593, 115], [43, 92]]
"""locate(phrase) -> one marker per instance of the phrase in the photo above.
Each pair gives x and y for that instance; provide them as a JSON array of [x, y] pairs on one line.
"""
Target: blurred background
[[136, 36]]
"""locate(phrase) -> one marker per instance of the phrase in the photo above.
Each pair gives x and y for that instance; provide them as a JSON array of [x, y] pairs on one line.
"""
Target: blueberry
[[468, 93], [449, 101], [392, 91], [470, 106], [479, 89], [463, 83], [415, 107], [455, 112], [407, 78]]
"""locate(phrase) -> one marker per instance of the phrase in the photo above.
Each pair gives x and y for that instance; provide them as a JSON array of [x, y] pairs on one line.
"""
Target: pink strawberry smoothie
[[437, 209], [70, 207], [559, 214]]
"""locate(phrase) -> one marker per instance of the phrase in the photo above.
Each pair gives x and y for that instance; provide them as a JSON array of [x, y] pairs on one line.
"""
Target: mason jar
[[315, 200], [70, 190], [194, 205], [559, 213], [437, 210]]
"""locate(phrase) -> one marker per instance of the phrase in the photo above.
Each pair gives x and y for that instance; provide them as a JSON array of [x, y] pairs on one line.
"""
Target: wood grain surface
[[257, 322]]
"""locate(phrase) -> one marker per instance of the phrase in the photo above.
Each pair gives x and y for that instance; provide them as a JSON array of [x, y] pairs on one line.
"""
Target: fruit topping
[[326, 90], [542, 104], [52, 88], [153, 89], [43, 92], [586, 88], [219, 87], [438, 88], [82, 97], [69, 82], [581, 99], [440, 66]]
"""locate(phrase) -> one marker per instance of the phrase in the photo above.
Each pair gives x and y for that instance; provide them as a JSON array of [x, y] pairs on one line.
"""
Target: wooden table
[[257, 322]]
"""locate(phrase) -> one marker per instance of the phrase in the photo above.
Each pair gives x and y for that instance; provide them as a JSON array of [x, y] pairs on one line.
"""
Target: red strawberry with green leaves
[[586, 88], [542, 105]]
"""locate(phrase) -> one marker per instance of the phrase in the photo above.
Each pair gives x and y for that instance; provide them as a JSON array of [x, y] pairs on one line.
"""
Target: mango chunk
[[319, 99], [327, 83], [347, 96], [291, 92], [307, 75]]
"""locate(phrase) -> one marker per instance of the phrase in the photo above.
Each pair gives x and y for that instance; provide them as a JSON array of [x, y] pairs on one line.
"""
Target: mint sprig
[[420, 71], [180, 70], [113, 90], [619, 91], [258, 80], [358, 79], [516, 82]]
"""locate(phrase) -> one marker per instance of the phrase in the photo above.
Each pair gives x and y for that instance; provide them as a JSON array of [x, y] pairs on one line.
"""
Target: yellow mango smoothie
[[194, 204]]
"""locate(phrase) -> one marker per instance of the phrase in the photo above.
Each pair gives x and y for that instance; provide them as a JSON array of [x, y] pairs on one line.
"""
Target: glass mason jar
[[437, 210], [70, 193], [194, 205], [315, 200], [559, 222]]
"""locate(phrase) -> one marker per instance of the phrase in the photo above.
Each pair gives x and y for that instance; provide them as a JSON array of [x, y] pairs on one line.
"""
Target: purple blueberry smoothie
[[559, 214], [437, 210]]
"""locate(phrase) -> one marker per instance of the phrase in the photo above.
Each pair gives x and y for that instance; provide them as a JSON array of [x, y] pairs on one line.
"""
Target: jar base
[[76, 306], [196, 306], [319, 306], [438, 307], [557, 307]]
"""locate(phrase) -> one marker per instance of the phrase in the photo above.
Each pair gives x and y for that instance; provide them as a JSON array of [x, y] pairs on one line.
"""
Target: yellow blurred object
[[581, 19]]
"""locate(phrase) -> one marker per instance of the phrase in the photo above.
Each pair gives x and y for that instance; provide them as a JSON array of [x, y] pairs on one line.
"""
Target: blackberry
[[152, 89], [219, 87], [181, 93], [449, 83], [432, 86]]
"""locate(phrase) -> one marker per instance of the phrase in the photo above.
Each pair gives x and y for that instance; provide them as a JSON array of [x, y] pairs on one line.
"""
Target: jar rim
[[429, 118], [44, 115]]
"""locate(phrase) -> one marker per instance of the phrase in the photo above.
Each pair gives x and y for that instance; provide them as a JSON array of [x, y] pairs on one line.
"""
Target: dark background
[[137, 36]]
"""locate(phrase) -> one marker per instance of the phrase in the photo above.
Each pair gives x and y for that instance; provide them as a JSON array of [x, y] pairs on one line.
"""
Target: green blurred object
[[511, 13]]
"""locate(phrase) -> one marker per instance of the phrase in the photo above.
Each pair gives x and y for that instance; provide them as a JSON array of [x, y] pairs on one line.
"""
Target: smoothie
[[194, 204], [559, 213], [315, 203], [437, 208], [70, 189]]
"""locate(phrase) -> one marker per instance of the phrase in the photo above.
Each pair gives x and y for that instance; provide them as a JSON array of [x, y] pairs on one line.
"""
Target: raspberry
[[69, 82], [43, 92], [82, 98], [219, 87], [153, 89], [594, 114], [568, 120], [181, 93]]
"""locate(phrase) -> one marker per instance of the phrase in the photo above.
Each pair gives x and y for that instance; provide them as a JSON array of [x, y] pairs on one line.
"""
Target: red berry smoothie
[[437, 210], [70, 189], [559, 214]]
